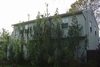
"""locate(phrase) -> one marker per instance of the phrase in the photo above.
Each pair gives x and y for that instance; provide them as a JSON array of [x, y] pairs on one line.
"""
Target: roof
[[62, 15]]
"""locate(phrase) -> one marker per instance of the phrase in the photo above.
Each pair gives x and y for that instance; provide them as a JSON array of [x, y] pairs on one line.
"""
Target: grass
[[17, 66]]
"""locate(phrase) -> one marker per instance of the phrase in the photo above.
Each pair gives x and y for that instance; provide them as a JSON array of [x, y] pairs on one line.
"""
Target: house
[[85, 18]]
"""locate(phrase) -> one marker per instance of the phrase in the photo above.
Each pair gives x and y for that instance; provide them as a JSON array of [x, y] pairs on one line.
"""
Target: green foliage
[[47, 46], [84, 4], [16, 50], [17, 45], [74, 36], [1, 55], [11, 53], [6, 40], [13, 45], [78, 5]]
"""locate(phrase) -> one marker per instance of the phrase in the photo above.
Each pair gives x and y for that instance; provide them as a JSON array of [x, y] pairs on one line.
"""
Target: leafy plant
[[74, 36]]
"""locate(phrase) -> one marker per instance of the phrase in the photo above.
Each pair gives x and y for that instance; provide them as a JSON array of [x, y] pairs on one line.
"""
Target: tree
[[85, 4], [18, 44], [16, 47], [6, 38], [1, 56], [74, 37], [47, 46]]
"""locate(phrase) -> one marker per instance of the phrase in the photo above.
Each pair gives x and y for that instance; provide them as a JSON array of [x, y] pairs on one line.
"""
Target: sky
[[13, 11]]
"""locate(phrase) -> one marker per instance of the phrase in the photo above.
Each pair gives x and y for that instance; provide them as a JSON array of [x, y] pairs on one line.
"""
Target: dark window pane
[[90, 26], [64, 25], [90, 29], [95, 30], [21, 31], [95, 33]]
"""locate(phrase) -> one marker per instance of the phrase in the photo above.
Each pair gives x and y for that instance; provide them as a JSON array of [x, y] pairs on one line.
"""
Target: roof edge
[[62, 15]]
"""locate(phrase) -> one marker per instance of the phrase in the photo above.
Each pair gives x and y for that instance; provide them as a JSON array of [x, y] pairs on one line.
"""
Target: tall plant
[[17, 45], [6, 41], [74, 36], [46, 44]]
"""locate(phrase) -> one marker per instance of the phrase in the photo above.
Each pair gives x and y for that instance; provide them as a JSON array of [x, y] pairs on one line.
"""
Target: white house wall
[[81, 21], [93, 39], [84, 20]]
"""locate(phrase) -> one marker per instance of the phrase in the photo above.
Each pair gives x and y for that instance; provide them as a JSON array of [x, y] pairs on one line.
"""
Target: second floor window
[[64, 25], [95, 30], [90, 26]]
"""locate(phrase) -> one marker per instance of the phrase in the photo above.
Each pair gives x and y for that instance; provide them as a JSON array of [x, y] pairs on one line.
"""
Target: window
[[64, 25], [90, 26], [26, 26], [21, 31], [21, 28], [95, 30], [30, 29], [0, 48], [1, 45]]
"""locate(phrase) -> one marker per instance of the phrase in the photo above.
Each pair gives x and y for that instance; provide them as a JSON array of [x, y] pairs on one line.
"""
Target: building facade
[[85, 18]]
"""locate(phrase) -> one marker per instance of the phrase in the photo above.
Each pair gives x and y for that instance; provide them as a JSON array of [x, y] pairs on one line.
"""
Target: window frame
[[63, 26], [90, 26], [95, 30]]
